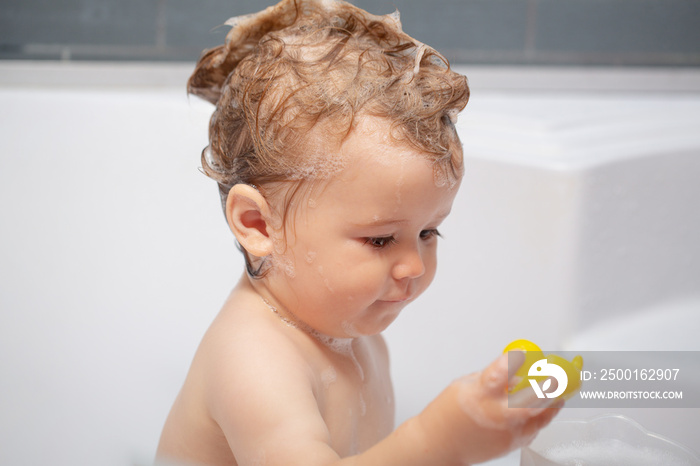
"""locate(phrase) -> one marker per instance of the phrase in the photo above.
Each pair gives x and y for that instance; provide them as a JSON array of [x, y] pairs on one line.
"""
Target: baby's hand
[[472, 421]]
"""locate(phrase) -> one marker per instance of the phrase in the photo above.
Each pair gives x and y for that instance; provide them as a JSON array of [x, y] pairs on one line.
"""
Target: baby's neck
[[335, 344]]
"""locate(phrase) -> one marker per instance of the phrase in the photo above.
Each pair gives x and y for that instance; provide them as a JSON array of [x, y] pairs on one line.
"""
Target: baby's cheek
[[429, 275], [364, 284]]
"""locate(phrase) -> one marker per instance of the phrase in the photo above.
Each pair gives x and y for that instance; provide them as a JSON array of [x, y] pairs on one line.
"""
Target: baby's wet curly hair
[[305, 64]]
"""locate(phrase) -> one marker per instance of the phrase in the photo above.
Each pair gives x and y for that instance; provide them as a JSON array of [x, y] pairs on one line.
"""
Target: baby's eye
[[427, 234], [380, 242]]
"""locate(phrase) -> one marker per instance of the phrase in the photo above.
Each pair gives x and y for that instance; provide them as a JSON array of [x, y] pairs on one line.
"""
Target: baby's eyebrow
[[380, 222]]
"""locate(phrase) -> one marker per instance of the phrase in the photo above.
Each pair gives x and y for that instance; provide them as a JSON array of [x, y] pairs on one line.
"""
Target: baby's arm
[[267, 422], [469, 422]]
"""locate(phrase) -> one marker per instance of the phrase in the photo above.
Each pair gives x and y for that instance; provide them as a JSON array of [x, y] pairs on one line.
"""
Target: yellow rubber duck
[[538, 368]]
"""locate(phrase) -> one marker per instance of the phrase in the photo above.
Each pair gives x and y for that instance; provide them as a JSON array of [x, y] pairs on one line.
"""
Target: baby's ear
[[248, 213]]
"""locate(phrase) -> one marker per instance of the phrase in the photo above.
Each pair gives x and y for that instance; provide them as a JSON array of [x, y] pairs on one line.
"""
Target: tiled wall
[[567, 32]]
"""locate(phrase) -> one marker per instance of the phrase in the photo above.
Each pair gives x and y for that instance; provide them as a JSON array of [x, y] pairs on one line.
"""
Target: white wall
[[115, 255]]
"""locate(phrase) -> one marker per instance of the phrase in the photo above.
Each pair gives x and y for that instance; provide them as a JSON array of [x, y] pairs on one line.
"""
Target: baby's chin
[[380, 316], [375, 320]]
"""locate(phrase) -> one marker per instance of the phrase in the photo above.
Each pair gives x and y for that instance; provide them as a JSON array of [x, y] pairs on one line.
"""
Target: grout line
[[161, 24], [531, 28]]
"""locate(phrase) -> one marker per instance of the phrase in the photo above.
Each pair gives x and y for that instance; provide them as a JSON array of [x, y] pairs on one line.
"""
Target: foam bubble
[[337, 345], [316, 166], [209, 157], [396, 17], [442, 180], [237, 20], [287, 266], [310, 256], [610, 452], [278, 243], [342, 346]]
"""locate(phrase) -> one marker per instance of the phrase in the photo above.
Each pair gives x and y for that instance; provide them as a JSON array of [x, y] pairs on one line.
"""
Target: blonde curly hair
[[301, 63]]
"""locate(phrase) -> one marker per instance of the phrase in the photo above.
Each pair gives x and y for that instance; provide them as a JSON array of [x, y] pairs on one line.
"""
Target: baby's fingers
[[533, 425], [527, 397], [495, 377]]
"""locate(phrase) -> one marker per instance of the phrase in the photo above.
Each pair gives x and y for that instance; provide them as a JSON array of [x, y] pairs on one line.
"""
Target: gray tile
[[199, 24], [618, 26], [447, 25], [113, 22], [483, 25], [644, 32]]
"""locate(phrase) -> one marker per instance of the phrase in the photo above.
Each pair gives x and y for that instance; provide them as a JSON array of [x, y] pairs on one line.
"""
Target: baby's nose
[[410, 265]]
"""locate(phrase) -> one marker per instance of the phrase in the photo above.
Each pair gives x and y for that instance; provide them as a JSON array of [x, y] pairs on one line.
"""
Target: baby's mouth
[[399, 299]]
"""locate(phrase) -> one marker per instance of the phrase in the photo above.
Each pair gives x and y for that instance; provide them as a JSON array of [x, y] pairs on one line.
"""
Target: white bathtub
[[578, 204]]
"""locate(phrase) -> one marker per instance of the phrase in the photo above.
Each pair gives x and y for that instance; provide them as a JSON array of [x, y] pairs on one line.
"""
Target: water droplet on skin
[[363, 405], [329, 376], [328, 285], [342, 346], [399, 184], [310, 256], [287, 266], [278, 243], [357, 365]]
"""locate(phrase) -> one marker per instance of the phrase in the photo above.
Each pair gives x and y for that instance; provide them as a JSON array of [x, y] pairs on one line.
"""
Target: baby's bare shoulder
[[258, 382], [243, 339]]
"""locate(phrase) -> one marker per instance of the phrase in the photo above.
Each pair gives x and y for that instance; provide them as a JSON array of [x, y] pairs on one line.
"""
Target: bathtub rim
[[499, 78]]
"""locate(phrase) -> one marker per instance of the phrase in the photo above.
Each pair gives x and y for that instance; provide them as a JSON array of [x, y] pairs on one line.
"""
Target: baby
[[334, 148]]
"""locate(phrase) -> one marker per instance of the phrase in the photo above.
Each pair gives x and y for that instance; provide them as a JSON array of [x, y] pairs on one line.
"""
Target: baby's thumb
[[496, 376]]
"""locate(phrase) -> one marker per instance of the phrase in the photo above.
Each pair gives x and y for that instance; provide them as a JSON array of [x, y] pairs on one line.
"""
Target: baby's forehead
[[331, 154], [367, 166], [329, 146], [377, 140]]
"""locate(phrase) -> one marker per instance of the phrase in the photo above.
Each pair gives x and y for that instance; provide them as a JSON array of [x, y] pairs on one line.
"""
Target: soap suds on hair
[[277, 127]]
